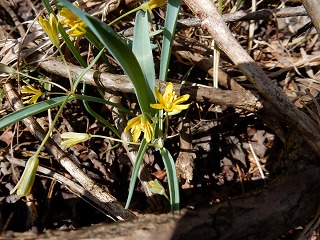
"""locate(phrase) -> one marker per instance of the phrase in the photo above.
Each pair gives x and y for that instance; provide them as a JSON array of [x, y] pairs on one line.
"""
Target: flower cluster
[[169, 102], [69, 19]]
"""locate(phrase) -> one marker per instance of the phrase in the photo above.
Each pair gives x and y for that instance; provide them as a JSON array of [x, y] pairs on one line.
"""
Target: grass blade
[[168, 34], [32, 110], [141, 47], [172, 179], [142, 150]]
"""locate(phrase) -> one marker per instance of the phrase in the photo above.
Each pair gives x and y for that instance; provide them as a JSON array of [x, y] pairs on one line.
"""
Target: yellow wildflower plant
[[51, 28], [33, 94], [69, 19], [73, 138], [169, 101], [152, 4], [140, 124], [26, 181]]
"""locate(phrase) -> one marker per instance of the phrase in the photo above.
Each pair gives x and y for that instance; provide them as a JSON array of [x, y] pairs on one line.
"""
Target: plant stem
[[68, 70], [126, 14], [52, 126], [115, 139]]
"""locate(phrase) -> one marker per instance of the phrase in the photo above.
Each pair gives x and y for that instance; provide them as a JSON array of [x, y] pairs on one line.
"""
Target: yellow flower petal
[[181, 99], [153, 4], [169, 90], [51, 28], [73, 138], [77, 30], [156, 106], [33, 96]]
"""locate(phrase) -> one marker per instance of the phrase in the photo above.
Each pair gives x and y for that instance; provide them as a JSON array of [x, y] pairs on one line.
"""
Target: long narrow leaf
[[168, 34], [121, 52], [32, 110], [141, 47], [142, 150], [76, 82], [103, 101], [172, 179]]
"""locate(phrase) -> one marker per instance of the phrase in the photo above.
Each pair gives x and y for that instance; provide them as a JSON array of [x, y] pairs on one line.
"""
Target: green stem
[[115, 139], [65, 63], [126, 14], [167, 126], [97, 115], [44, 141], [43, 81]]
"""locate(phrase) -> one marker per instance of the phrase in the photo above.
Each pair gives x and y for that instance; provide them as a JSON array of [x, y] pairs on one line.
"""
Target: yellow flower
[[140, 124], [69, 19], [169, 101], [77, 30], [34, 94], [26, 181], [152, 4], [51, 28], [73, 138]]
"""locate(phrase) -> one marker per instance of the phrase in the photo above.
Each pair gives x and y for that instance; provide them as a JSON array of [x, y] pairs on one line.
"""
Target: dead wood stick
[[215, 25], [312, 7], [239, 16], [244, 16], [112, 82], [112, 206]]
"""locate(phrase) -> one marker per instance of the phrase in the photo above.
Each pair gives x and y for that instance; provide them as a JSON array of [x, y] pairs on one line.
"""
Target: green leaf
[[121, 52], [103, 101], [168, 34], [77, 81], [141, 47], [142, 150], [172, 179], [32, 110]]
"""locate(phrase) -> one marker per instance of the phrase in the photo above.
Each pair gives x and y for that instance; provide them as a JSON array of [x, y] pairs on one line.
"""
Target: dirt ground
[[235, 151]]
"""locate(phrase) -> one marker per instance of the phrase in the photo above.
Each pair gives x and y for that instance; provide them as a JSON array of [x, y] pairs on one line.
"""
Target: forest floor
[[232, 151]]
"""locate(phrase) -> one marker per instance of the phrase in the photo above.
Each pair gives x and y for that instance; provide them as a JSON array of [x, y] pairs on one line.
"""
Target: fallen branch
[[200, 93]]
